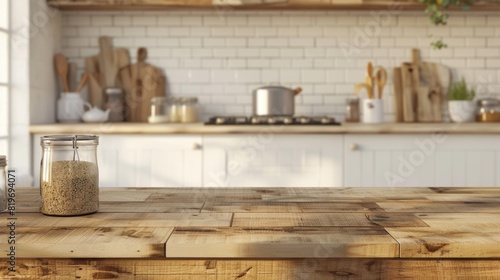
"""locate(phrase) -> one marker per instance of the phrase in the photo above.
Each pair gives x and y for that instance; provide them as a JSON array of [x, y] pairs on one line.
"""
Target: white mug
[[373, 111]]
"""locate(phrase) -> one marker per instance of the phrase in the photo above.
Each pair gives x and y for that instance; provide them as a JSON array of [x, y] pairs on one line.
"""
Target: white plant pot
[[462, 110], [373, 111]]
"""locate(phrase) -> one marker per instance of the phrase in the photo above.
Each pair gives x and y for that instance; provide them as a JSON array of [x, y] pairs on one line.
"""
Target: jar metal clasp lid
[[75, 149]]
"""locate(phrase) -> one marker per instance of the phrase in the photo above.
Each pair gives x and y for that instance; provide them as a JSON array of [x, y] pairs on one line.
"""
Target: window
[[4, 76]]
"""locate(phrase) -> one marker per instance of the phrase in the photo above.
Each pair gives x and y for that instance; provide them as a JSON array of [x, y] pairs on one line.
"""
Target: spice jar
[[115, 104], [488, 110], [3, 184], [159, 110], [352, 110], [69, 176], [189, 110], [175, 109]]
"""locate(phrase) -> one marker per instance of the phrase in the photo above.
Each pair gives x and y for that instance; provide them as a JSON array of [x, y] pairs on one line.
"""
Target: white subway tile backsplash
[[200, 31], [191, 21], [301, 42], [476, 63], [292, 53], [169, 20], [302, 63], [78, 42], [259, 21], [111, 31], [248, 52], [214, 21], [178, 32], [168, 42], [77, 20], [221, 56], [222, 31], [122, 20], [89, 31], [277, 42], [144, 20], [134, 31], [102, 21], [289, 76]]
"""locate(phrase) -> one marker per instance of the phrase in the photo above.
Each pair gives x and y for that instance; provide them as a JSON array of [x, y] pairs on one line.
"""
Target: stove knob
[[271, 120], [220, 120], [304, 120], [327, 120]]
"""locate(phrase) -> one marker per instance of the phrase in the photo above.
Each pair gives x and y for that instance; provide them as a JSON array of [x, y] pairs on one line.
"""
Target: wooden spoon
[[62, 69], [381, 78], [83, 82], [369, 79]]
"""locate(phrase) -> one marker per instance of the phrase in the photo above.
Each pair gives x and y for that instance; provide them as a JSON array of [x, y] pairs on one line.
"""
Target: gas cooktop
[[271, 120]]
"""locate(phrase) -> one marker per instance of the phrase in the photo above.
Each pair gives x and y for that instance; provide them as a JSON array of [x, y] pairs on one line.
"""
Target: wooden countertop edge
[[199, 128]]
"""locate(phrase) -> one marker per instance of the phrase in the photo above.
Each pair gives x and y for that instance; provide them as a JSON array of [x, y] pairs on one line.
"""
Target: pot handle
[[297, 90]]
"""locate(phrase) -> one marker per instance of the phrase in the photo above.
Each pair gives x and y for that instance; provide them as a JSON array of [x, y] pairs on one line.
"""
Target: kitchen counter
[[249, 233], [199, 128]]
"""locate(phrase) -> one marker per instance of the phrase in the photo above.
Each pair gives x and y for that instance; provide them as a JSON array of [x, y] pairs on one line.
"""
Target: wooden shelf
[[163, 5]]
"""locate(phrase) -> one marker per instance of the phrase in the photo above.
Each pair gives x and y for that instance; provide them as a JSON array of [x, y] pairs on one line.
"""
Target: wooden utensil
[[107, 62], [369, 79], [72, 76], [83, 82], [381, 79], [409, 102], [62, 69], [398, 94]]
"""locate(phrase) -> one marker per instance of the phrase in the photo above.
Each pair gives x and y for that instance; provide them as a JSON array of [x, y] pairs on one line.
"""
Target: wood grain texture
[[437, 223], [209, 269], [199, 128], [88, 242], [325, 220], [288, 242]]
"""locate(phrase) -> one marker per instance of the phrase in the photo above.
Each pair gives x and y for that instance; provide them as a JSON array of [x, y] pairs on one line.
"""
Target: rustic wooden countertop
[[250, 223], [199, 128]]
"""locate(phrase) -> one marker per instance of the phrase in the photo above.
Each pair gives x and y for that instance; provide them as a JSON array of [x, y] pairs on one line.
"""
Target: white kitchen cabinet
[[422, 160], [145, 160], [270, 160]]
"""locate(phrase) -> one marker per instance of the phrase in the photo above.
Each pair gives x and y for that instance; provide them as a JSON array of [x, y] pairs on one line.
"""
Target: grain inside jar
[[71, 189]]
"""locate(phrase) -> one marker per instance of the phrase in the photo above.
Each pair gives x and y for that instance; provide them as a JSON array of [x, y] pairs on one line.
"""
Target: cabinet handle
[[196, 146], [354, 147]]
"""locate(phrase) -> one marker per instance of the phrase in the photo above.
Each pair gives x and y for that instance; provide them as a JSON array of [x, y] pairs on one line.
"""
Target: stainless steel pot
[[274, 101]]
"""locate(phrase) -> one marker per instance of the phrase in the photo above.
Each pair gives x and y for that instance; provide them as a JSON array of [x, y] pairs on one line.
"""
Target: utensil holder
[[373, 111]]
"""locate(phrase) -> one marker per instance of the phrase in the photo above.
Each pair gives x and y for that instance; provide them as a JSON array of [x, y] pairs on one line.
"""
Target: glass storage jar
[[175, 110], [69, 176], [189, 110], [3, 184], [159, 110], [352, 110], [115, 104], [488, 110]]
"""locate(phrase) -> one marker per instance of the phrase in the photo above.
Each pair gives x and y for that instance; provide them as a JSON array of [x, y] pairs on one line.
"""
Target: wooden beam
[[318, 269]]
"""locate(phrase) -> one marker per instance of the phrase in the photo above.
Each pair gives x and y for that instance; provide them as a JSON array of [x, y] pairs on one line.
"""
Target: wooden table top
[[277, 223]]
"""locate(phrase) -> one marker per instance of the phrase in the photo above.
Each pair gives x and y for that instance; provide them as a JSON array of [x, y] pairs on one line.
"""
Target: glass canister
[[115, 104], [69, 176], [488, 110], [189, 110], [159, 110], [352, 110], [3, 184], [175, 110]]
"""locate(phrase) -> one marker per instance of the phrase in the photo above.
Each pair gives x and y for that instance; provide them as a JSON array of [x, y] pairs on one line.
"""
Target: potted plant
[[460, 104]]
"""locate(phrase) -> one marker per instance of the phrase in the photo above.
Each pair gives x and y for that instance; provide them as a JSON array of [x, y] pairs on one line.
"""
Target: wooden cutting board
[[421, 90], [141, 82]]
